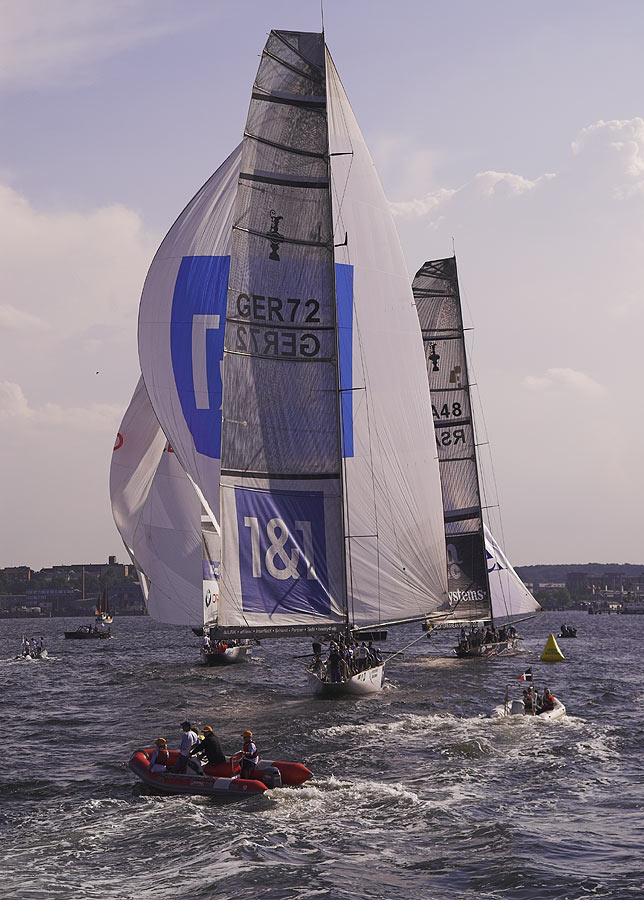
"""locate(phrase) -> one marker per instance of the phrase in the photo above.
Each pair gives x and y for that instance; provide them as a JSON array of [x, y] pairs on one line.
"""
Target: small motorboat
[[33, 657], [32, 650], [567, 631], [218, 781], [86, 632], [530, 710]]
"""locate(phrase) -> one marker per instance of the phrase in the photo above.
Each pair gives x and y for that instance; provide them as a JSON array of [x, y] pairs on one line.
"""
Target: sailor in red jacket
[[547, 701], [249, 756], [160, 756]]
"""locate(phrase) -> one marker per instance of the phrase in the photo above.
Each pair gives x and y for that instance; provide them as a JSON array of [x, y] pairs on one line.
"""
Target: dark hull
[[485, 651], [87, 635]]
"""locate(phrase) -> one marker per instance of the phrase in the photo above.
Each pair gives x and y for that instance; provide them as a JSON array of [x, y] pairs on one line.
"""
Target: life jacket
[[250, 752], [163, 757]]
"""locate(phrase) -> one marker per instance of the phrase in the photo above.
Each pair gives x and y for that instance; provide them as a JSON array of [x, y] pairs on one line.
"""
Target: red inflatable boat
[[219, 781]]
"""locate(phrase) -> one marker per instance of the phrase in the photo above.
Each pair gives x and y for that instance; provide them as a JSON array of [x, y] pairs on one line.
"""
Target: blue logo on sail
[[282, 552], [197, 328]]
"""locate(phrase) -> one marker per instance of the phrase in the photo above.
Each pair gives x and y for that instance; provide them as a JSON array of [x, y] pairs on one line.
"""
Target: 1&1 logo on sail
[[197, 346], [282, 552]]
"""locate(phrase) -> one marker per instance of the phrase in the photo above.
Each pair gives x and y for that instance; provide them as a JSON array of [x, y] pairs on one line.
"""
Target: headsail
[[157, 513], [510, 596], [395, 543]]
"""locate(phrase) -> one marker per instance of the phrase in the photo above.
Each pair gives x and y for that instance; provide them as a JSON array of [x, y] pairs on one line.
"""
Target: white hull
[[506, 711], [367, 682], [226, 658]]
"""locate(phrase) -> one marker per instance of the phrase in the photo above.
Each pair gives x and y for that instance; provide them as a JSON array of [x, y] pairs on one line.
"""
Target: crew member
[[547, 701], [249, 756], [160, 756], [210, 746], [188, 739]]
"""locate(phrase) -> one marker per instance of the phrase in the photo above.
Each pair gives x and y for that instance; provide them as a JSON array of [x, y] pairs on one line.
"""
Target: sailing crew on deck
[[249, 756], [188, 739], [334, 663], [205, 642]]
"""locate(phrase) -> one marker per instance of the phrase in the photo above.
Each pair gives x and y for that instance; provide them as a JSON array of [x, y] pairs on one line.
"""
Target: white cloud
[[617, 150], [566, 379], [13, 403], [97, 417], [69, 279], [14, 319]]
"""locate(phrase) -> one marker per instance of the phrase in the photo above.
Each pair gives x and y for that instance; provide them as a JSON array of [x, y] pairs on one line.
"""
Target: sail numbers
[[252, 339], [265, 338], [448, 411], [274, 309]]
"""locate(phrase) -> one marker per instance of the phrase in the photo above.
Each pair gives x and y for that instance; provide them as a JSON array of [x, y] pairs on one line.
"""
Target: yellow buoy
[[551, 652]]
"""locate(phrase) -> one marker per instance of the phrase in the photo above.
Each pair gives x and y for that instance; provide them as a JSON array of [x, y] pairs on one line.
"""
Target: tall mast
[[475, 445], [346, 553]]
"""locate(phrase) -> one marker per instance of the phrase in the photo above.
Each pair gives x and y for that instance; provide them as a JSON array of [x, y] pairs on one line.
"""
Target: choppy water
[[416, 793]]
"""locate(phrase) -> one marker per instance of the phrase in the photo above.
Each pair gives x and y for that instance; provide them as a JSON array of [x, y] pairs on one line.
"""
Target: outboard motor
[[271, 777], [517, 708]]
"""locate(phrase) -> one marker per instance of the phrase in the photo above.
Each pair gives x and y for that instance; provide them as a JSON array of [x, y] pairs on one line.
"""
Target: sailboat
[[283, 362], [484, 589], [170, 538], [102, 611]]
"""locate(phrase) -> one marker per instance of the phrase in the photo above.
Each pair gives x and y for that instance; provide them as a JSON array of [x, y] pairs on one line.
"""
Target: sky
[[508, 132]]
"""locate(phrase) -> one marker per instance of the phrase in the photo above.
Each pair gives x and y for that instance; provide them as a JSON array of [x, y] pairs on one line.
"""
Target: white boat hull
[[368, 682], [509, 711], [226, 657]]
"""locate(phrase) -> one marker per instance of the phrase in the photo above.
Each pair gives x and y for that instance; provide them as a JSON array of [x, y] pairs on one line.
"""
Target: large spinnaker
[[394, 518], [282, 552], [438, 306], [157, 513], [181, 328]]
